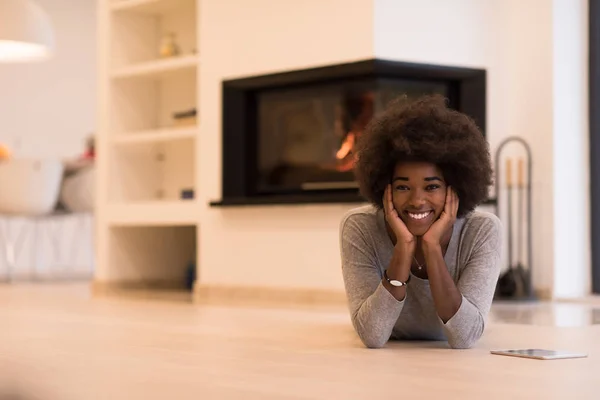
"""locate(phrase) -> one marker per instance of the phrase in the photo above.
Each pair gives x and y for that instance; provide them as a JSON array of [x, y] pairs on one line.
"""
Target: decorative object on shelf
[[26, 33], [169, 46], [516, 282], [187, 193], [185, 118]]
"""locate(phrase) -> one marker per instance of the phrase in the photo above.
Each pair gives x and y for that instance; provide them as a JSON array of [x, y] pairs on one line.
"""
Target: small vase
[[168, 46]]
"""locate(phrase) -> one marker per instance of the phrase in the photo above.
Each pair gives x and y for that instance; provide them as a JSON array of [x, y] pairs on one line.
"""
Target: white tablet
[[539, 354]]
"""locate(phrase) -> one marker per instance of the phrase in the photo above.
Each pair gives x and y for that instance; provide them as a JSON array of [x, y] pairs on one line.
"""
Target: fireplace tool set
[[515, 283]]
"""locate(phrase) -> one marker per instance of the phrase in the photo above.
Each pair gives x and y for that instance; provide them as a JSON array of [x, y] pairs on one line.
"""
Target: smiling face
[[418, 194]]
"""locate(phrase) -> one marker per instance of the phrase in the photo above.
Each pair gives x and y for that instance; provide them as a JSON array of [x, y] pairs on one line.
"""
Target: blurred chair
[[78, 188]]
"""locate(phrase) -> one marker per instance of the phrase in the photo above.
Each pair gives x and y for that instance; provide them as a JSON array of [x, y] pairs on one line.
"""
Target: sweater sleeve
[[477, 283], [373, 309]]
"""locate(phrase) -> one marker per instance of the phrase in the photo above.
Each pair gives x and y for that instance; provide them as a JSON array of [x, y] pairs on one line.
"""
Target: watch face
[[394, 282]]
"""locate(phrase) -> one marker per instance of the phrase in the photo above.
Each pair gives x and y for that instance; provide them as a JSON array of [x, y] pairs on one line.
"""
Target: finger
[[387, 195], [386, 200], [393, 211], [455, 203], [391, 199], [456, 200], [450, 203]]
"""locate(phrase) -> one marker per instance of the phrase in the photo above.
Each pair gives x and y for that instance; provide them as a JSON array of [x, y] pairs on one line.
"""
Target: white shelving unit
[[147, 223]]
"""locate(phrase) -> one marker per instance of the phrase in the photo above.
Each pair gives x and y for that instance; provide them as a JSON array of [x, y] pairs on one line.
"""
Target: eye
[[432, 187], [402, 187]]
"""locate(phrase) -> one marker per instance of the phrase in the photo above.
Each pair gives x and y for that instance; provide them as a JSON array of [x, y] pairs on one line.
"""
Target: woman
[[420, 262]]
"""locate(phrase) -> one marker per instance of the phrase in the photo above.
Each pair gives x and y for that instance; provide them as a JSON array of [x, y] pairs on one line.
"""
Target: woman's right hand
[[404, 238]]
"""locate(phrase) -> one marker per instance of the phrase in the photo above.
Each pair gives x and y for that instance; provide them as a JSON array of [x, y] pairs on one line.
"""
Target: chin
[[419, 232], [417, 229]]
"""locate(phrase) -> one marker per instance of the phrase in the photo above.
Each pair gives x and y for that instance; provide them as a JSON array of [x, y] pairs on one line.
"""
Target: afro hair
[[425, 129]]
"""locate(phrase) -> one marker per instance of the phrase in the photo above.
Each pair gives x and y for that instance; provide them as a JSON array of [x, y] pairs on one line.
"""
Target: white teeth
[[419, 216]]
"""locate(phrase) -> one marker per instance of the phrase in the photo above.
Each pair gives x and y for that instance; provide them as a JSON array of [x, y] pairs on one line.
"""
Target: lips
[[419, 216]]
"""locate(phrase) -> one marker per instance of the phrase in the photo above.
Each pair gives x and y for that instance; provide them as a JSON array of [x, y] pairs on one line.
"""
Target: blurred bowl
[[29, 186]]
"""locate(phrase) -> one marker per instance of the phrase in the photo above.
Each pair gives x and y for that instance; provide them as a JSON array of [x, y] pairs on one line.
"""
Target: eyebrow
[[427, 179]]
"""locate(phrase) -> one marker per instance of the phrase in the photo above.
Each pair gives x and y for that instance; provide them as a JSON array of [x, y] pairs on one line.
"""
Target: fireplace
[[288, 137]]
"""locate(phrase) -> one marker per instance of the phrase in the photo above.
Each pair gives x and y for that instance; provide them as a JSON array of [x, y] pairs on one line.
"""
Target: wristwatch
[[395, 282]]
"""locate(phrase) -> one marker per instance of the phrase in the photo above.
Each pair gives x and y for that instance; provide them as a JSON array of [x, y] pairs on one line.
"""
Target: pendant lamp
[[26, 32]]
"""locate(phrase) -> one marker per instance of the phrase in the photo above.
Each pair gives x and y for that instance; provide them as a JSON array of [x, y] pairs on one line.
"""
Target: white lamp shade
[[26, 32]]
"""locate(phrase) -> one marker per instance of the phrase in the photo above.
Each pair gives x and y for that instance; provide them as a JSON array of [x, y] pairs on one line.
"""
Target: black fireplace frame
[[239, 139]]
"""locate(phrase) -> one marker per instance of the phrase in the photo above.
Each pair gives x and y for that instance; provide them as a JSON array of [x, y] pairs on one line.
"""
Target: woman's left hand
[[436, 231]]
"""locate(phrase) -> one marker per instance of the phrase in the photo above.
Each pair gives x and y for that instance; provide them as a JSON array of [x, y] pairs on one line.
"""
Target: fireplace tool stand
[[515, 283]]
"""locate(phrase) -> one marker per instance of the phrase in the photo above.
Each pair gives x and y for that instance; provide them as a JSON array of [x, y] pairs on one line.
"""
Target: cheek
[[439, 203], [399, 200], [397, 205]]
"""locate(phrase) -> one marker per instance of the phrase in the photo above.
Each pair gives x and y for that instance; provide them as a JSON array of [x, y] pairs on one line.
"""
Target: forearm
[[463, 308], [374, 320], [446, 296], [463, 323], [399, 269]]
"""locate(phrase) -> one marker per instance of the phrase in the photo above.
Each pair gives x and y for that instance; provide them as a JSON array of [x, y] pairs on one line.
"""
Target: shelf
[[157, 68], [154, 213], [158, 135], [150, 172], [150, 7], [151, 255]]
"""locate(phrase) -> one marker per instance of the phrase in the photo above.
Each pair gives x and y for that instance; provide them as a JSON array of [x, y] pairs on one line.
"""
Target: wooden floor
[[57, 342]]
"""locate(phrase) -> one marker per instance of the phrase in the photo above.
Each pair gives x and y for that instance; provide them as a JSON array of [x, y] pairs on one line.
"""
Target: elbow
[[468, 335], [462, 344], [370, 337], [373, 342]]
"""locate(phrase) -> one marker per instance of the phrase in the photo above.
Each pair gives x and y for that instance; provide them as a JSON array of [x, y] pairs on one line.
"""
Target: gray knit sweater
[[472, 259]]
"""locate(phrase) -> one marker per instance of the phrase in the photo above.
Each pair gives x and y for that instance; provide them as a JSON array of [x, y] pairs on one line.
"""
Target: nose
[[416, 199]]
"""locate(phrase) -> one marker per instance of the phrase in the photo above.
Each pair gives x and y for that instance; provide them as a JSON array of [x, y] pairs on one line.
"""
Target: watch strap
[[395, 282]]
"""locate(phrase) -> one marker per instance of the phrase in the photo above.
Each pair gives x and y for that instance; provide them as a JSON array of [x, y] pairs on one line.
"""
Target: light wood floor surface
[[61, 343]]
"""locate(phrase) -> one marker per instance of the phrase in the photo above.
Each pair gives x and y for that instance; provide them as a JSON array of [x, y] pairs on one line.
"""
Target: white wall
[[572, 253], [526, 107], [296, 246], [287, 246], [48, 109], [458, 32], [537, 89]]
